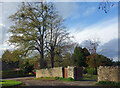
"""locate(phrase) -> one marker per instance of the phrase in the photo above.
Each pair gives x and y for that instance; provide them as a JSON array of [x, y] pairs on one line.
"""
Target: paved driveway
[[30, 81]]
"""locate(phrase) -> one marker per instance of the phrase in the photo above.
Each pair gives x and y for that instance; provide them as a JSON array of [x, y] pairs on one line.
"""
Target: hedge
[[11, 74]]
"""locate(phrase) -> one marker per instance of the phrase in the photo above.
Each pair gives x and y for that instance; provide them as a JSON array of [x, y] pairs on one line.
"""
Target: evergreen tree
[[79, 56]]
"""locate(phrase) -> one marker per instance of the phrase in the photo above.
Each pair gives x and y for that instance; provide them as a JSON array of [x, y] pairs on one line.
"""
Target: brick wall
[[109, 73]]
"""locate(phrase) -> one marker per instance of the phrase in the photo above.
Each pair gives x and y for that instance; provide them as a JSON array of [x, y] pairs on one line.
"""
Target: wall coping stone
[[109, 67]]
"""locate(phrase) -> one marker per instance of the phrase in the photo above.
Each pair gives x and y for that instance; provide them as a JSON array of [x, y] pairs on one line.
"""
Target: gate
[[79, 73], [65, 73]]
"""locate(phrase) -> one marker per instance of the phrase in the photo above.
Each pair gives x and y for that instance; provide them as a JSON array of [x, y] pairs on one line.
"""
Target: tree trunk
[[52, 57], [95, 64], [95, 70], [42, 54], [42, 58], [52, 61]]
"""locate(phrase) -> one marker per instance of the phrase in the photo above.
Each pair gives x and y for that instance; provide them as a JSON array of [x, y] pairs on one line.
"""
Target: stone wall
[[109, 73], [50, 72], [70, 71]]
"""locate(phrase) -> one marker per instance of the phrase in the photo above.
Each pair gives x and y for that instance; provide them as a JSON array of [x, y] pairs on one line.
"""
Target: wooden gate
[[79, 73], [65, 73]]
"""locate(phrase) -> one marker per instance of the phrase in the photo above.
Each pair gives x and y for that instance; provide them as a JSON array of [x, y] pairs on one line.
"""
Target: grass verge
[[6, 83], [86, 77], [56, 78], [108, 83]]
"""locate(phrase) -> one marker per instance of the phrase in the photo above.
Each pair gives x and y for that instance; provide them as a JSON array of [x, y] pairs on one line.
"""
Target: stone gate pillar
[[71, 72]]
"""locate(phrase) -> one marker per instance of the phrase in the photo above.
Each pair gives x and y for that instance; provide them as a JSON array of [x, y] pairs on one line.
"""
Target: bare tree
[[92, 46], [57, 38], [106, 5]]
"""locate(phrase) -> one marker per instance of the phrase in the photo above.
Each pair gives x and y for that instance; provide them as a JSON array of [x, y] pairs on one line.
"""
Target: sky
[[83, 20]]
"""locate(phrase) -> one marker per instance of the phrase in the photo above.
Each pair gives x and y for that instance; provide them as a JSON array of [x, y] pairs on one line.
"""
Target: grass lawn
[[89, 77], [5, 83]]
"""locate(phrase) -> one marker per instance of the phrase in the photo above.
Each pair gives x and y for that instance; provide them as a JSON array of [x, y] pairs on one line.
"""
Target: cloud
[[110, 49], [89, 11], [104, 30]]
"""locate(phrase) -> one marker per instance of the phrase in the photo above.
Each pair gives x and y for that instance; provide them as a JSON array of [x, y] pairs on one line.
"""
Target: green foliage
[[79, 56], [30, 23], [11, 56], [108, 83], [91, 71], [27, 66], [12, 59], [66, 79], [7, 83], [100, 60], [38, 26]]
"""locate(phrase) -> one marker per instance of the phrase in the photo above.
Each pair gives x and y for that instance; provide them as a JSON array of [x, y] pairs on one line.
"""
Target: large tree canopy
[[37, 26], [28, 32]]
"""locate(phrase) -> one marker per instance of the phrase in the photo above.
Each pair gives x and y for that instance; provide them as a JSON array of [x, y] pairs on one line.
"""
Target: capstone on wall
[[109, 73]]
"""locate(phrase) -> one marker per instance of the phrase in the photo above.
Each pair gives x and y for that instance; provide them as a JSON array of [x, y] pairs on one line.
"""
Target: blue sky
[[85, 13], [83, 20]]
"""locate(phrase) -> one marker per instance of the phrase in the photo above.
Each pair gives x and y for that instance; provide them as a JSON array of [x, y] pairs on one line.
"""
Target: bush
[[27, 67], [91, 71], [66, 79], [57, 77], [10, 73], [71, 79]]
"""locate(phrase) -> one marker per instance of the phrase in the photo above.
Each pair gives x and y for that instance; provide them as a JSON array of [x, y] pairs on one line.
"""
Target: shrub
[[57, 77], [11, 73], [66, 79], [71, 79]]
